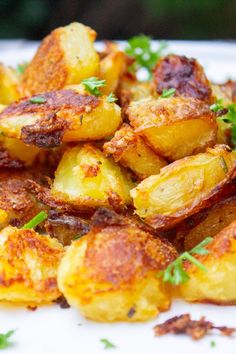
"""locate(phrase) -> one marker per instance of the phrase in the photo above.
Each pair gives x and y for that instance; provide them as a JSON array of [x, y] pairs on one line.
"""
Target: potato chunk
[[85, 177], [184, 187], [110, 273], [217, 284], [131, 151], [66, 56], [214, 219], [174, 127], [9, 85], [184, 74], [28, 266], [62, 116], [112, 67]]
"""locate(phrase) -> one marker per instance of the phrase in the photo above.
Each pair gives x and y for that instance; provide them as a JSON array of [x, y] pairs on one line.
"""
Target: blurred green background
[[170, 19]]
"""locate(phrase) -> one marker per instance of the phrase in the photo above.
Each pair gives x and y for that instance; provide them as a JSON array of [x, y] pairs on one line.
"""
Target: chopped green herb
[[93, 84], [223, 164], [213, 344], [175, 273], [4, 339], [230, 118], [37, 99], [107, 343], [168, 93], [217, 106], [140, 48], [40, 217], [111, 98], [21, 67]]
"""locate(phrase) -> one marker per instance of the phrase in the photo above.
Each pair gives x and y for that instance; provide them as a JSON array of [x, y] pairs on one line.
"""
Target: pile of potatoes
[[127, 185]]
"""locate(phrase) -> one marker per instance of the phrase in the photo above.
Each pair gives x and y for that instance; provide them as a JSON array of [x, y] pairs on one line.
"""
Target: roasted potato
[[61, 116], [131, 151], [214, 219], [112, 67], [9, 85], [183, 74], [66, 56], [85, 177], [15, 199], [110, 274], [225, 92], [174, 127], [28, 266], [130, 89], [184, 187], [217, 284]]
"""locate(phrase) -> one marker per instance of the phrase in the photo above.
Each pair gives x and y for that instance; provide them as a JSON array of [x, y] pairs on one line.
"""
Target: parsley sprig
[[40, 217], [4, 339], [175, 273], [107, 343], [20, 69], [229, 117], [168, 93], [140, 49], [111, 98], [37, 99], [93, 84]]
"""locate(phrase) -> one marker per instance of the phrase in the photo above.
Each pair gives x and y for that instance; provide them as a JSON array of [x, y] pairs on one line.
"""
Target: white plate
[[51, 330]]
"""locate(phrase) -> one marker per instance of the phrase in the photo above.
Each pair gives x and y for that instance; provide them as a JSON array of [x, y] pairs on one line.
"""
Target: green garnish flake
[[213, 344], [175, 273], [21, 67], [217, 106], [37, 99], [93, 84], [40, 217], [4, 339], [111, 98], [107, 344], [168, 93], [223, 164], [141, 50], [230, 118]]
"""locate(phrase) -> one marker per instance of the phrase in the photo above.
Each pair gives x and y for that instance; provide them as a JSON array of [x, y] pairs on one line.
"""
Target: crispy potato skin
[[86, 178], [226, 92], [15, 199], [66, 115], [131, 151], [66, 56], [184, 74], [217, 285], [9, 85], [184, 187], [166, 123], [213, 221], [110, 274], [28, 266]]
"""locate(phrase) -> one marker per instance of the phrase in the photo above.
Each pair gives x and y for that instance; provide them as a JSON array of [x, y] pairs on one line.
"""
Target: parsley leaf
[[230, 117], [92, 85], [107, 344], [37, 99], [217, 106], [111, 98], [40, 217], [21, 67], [175, 273], [4, 339], [168, 93], [140, 48]]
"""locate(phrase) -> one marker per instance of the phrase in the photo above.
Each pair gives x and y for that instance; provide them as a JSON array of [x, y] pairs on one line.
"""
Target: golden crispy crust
[[46, 75], [184, 74], [15, 199], [6, 161], [136, 252], [49, 128]]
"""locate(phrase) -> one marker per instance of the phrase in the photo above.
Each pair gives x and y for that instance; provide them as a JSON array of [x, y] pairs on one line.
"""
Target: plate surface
[[51, 330]]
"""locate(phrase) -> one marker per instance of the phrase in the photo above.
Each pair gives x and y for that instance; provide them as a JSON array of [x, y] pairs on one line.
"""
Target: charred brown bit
[[90, 170], [196, 329], [65, 227], [32, 308], [61, 301], [6, 161], [104, 217], [184, 74]]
